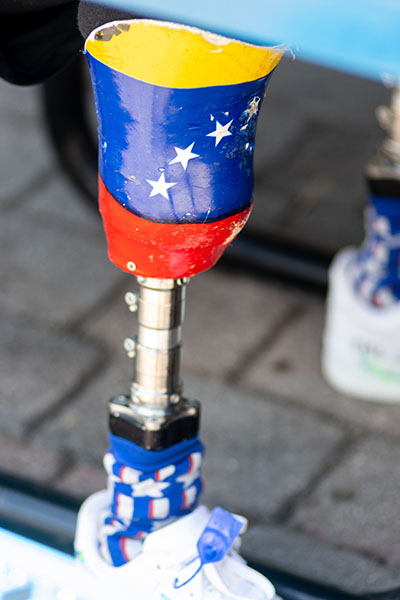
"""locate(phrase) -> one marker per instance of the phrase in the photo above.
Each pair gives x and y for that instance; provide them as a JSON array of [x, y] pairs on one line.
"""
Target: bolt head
[[130, 347], [182, 281], [131, 300]]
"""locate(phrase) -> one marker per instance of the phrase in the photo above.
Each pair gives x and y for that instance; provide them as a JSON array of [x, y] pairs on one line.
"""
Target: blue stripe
[[386, 205], [140, 125], [115, 551], [134, 456]]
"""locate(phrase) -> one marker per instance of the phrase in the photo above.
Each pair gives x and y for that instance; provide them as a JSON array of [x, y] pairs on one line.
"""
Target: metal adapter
[[385, 166], [155, 415]]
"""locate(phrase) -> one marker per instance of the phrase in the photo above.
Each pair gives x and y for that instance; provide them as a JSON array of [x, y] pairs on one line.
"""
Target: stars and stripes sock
[[375, 271], [148, 489]]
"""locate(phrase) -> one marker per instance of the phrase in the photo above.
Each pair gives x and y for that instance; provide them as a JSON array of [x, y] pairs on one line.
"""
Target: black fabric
[[18, 7], [36, 43], [39, 37], [91, 16]]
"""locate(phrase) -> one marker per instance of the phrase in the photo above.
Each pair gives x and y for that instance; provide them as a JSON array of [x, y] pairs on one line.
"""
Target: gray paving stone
[[357, 504], [290, 369], [59, 204], [20, 102], [81, 428], [24, 157], [321, 186], [81, 480], [270, 210], [113, 322], [38, 368], [334, 96], [278, 131], [226, 316], [259, 453], [51, 273], [324, 563], [28, 461]]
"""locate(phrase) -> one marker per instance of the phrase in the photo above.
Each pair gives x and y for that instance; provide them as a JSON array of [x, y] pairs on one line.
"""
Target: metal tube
[[396, 116], [157, 380], [389, 119], [384, 169]]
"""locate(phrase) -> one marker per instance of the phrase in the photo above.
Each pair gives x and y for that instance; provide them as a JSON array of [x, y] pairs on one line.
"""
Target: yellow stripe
[[178, 56]]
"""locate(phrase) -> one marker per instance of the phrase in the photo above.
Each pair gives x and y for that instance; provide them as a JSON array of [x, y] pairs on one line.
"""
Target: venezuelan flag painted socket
[[177, 110]]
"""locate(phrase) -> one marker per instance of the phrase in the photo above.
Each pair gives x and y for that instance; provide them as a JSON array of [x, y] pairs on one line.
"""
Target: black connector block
[[180, 423]]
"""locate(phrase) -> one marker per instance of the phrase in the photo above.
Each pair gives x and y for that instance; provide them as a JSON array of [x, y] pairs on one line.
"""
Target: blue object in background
[[32, 571], [358, 36]]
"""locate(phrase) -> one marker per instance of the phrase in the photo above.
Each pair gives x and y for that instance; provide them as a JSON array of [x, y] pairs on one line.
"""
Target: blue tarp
[[358, 36]]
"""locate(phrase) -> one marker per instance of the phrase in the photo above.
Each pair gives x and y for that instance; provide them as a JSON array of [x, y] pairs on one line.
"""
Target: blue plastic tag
[[216, 540]]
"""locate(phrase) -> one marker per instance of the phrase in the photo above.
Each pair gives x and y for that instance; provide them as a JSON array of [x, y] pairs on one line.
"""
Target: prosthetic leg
[[361, 347], [177, 110]]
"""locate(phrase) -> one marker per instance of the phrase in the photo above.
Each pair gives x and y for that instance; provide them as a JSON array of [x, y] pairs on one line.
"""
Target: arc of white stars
[[160, 186], [220, 132], [183, 156]]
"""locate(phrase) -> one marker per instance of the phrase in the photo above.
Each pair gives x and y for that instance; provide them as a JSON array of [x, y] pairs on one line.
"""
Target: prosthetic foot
[[177, 110]]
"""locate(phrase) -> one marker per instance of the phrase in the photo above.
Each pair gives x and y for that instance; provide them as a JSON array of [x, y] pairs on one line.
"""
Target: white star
[[160, 186], [220, 132], [148, 488], [253, 107], [183, 156]]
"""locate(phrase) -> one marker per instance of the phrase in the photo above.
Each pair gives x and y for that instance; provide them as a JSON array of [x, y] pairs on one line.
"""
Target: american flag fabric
[[148, 489], [375, 269], [177, 111]]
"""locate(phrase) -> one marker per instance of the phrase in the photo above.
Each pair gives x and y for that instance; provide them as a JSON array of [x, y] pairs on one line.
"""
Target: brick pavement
[[317, 472]]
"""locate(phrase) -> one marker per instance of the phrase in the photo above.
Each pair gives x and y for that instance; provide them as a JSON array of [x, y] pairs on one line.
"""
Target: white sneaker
[[167, 563], [361, 343]]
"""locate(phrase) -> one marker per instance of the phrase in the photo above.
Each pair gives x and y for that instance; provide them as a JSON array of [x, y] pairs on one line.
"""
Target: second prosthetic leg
[[361, 349], [177, 111]]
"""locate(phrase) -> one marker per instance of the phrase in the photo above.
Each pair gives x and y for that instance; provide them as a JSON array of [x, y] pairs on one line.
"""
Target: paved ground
[[316, 473]]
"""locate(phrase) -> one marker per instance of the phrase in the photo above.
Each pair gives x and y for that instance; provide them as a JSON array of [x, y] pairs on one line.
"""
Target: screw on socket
[[130, 347], [179, 423], [131, 298]]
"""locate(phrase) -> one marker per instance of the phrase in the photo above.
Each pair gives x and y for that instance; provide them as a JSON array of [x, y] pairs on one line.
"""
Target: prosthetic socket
[[177, 110]]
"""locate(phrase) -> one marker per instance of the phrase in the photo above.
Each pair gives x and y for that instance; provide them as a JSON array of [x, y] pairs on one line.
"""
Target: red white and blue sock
[[375, 271], [149, 489]]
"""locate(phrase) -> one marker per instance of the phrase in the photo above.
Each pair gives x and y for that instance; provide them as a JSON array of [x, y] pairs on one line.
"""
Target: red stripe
[[190, 463], [184, 500], [164, 250], [151, 509], [123, 549]]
